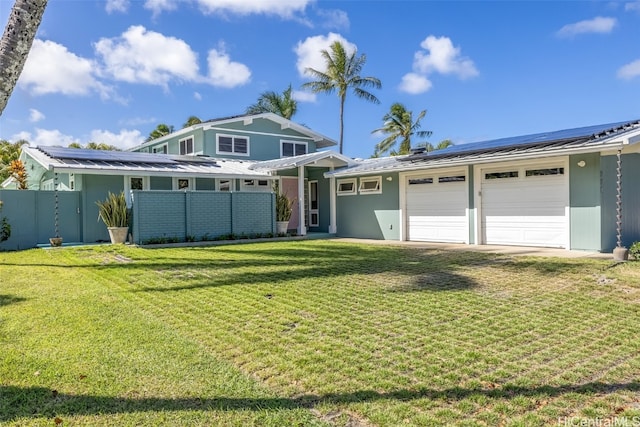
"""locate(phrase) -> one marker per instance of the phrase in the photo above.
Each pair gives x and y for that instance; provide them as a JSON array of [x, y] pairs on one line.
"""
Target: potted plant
[[284, 208], [113, 211]]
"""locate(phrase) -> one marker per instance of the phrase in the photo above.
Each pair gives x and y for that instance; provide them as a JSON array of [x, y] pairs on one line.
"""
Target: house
[[553, 189]]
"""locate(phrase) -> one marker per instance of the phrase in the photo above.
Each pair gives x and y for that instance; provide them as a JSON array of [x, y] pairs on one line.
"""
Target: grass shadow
[[6, 299]]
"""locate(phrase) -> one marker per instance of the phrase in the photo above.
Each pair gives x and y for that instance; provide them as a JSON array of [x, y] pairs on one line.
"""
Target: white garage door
[[437, 207], [525, 205]]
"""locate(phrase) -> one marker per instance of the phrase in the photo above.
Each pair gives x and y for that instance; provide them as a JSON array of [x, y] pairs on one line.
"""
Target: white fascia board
[[118, 172]]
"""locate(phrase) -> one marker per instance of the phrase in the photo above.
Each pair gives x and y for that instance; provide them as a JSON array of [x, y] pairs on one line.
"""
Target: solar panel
[[104, 156], [559, 135]]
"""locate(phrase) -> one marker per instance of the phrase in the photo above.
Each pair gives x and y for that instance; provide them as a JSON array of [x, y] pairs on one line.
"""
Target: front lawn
[[315, 333]]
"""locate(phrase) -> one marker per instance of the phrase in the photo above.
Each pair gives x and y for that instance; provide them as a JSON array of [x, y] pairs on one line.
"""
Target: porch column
[[333, 229], [302, 230]]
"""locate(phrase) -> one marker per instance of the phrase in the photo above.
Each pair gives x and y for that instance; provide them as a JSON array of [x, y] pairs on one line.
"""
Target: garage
[[436, 207], [525, 204]]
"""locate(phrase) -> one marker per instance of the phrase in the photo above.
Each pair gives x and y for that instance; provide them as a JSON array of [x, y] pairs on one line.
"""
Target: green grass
[[315, 333]]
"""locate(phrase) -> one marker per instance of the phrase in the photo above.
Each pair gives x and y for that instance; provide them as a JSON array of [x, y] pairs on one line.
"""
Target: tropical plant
[[272, 102], [9, 152], [113, 211], [634, 250], [95, 146], [160, 131], [440, 146], [24, 20], [192, 120], [284, 205], [342, 72], [19, 174], [399, 124], [5, 227]]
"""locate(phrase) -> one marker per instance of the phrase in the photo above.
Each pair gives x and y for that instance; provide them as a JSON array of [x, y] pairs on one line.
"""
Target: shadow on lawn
[[19, 402], [10, 299]]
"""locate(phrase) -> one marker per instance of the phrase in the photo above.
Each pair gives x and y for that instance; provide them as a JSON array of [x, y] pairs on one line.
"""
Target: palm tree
[[441, 145], [399, 124], [192, 120], [342, 72], [272, 102], [160, 130], [24, 20]]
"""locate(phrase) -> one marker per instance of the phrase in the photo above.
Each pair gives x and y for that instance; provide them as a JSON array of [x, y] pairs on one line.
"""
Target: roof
[[321, 141], [562, 142], [319, 158], [100, 162]]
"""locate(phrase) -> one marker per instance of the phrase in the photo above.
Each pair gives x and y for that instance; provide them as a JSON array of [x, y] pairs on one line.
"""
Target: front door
[[314, 208]]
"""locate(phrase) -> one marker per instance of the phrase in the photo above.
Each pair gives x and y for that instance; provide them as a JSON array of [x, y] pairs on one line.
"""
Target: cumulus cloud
[[438, 55], [142, 56], [334, 18], [302, 96], [197, 96], [283, 8], [117, 6], [51, 68], [49, 137], [308, 51], [415, 83], [599, 24], [224, 72], [35, 115], [123, 140], [630, 70]]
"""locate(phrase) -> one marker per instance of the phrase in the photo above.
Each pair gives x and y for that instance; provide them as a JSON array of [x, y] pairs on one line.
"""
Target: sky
[[111, 71]]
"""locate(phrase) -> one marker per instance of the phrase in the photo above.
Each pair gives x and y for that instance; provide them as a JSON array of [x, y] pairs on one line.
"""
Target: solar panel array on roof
[[560, 135], [104, 156]]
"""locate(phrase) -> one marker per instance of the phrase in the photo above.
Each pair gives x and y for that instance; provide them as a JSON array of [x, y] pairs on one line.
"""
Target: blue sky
[[110, 71]]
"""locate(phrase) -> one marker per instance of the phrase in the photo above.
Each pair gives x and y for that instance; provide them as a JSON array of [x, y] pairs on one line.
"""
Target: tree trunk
[[16, 42], [341, 121]]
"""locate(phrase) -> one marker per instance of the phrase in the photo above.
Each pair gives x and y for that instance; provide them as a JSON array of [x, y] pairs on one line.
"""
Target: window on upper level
[[292, 148], [229, 144], [160, 149], [186, 146]]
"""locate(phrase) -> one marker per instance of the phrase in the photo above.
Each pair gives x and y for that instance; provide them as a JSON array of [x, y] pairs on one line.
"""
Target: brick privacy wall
[[178, 214]]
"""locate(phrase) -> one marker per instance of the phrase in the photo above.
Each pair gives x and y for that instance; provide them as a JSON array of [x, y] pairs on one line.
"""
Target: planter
[[620, 254], [118, 234], [55, 241], [282, 226]]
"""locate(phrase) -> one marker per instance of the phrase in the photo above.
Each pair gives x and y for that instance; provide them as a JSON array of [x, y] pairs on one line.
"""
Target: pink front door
[[290, 188]]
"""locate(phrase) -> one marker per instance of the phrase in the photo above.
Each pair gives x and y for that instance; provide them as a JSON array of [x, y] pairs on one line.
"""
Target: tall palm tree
[[160, 130], [342, 72], [192, 120], [272, 102], [399, 124], [24, 20]]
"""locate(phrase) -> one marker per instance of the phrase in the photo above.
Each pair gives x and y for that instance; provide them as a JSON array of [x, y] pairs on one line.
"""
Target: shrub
[[113, 211], [5, 227], [634, 250]]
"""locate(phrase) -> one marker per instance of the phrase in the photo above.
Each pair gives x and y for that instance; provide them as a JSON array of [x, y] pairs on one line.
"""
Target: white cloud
[[302, 96], [141, 56], [159, 6], [309, 55], [21, 136], [35, 115], [283, 8], [197, 96], [414, 83], [334, 18], [137, 121], [117, 6], [442, 57], [123, 140], [630, 70], [224, 72], [632, 6], [51, 68], [50, 137], [598, 24]]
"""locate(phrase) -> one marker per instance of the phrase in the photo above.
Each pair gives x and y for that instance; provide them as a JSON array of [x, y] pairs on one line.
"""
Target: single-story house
[[553, 189]]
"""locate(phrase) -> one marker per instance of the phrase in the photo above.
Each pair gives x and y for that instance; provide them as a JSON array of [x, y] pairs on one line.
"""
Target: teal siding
[[31, 215], [201, 214], [630, 200], [97, 187], [371, 216], [584, 211], [160, 183], [207, 184]]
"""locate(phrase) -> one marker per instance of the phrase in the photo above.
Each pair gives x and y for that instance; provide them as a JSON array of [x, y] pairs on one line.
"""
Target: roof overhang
[[317, 159]]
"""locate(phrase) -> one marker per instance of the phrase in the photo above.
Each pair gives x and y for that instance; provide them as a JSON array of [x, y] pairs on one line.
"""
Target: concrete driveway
[[507, 250]]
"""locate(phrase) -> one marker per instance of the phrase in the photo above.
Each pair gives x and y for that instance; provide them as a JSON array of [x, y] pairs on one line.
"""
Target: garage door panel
[[437, 212]]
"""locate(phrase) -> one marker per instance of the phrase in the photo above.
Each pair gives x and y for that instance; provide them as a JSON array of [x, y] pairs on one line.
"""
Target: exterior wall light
[[389, 178], [582, 163]]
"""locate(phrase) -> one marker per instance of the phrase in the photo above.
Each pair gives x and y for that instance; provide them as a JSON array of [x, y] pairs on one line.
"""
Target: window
[[420, 181], [501, 175], [370, 185], [545, 172], [290, 148], [255, 185], [346, 186], [224, 185], [183, 184], [186, 146], [136, 183], [161, 149], [227, 144], [458, 178]]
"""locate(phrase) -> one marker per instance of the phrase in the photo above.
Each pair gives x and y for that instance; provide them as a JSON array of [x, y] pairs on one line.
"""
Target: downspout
[[620, 253]]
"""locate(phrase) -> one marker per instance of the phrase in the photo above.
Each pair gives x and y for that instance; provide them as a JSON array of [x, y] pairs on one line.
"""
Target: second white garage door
[[437, 207], [525, 205]]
